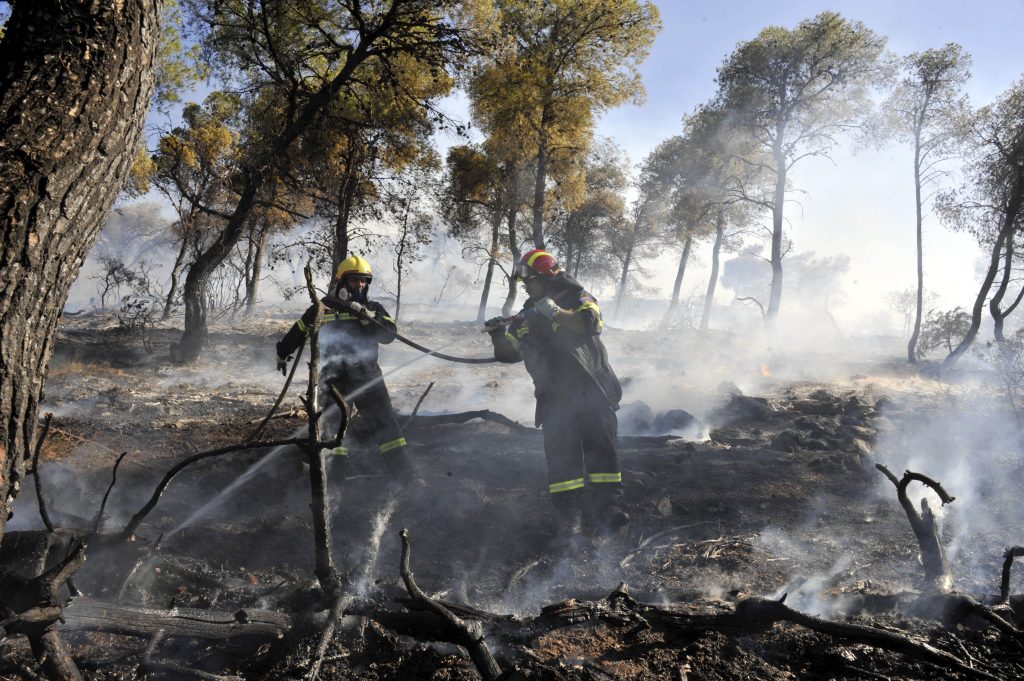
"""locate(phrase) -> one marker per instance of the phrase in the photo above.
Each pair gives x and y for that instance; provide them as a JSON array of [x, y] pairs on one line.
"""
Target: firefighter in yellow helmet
[[349, 342], [557, 336]]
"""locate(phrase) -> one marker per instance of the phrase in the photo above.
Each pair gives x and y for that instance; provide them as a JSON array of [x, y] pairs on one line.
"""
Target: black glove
[[495, 325], [282, 364]]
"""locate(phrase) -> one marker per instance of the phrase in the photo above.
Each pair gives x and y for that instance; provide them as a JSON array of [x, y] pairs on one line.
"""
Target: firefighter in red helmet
[[349, 342], [557, 336]]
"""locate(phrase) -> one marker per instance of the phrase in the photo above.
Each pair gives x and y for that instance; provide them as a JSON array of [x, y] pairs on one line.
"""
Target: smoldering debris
[[716, 523]]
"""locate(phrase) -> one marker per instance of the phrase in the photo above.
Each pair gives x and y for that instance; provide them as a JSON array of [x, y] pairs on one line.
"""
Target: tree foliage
[[566, 61], [293, 64]]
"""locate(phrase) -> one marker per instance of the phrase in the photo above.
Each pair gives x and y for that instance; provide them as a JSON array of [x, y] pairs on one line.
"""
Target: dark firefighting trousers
[[374, 405], [579, 445]]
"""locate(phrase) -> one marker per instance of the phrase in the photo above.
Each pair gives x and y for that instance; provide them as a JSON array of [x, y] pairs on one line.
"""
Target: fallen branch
[[103, 504], [294, 411], [284, 391], [765, 611], [468, 634], [415, 409], [658, 535], [129, 530]]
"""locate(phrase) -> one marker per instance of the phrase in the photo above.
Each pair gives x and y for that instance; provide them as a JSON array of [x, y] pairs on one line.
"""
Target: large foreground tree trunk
[[75, 85]]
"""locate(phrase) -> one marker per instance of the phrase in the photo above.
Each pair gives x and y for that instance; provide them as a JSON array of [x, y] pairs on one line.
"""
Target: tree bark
[[709, 297], [75, 86], [684, 257]]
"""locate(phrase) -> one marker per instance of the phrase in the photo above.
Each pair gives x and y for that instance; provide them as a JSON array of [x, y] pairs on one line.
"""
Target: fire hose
[[334, 303]]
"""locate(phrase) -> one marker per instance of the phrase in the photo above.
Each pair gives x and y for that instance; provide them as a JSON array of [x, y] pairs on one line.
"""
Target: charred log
[[91, 614]]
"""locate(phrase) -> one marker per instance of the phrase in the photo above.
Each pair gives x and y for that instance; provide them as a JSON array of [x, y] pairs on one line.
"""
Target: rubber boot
[[603, 515], [567, 520], [399, 466]]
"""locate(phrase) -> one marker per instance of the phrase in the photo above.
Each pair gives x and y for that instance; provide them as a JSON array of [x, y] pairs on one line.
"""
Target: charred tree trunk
[[74, 91], [684, 258], [492, 259], [778, 202], [709, 297]]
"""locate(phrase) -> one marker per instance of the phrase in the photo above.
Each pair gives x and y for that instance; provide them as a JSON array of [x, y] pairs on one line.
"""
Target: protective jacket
[[348, 347], [565, 365]]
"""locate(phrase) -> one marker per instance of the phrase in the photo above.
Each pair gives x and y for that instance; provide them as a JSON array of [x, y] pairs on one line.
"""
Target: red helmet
[[537, 262]]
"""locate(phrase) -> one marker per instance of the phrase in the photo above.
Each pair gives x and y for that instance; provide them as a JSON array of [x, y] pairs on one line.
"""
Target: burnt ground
[[771, 491]]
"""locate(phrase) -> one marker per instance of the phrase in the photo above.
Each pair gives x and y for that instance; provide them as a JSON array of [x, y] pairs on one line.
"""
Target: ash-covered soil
[[770, 490]]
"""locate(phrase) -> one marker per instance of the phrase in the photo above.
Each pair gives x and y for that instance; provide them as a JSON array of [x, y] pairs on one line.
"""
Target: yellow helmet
[[353, 265]]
